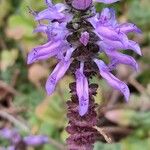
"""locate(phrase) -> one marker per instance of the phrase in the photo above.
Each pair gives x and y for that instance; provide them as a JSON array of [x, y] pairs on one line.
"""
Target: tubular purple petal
[[135, 47], [58, 72], [45, 51], [108, 17], [111, 34], [56, 75], [49, 14], [119, 58], [82, 91], [112, 80], [108, 45], [128, 27]]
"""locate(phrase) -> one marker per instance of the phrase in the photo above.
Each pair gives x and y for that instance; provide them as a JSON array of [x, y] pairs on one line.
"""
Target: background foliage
[[22, 93]]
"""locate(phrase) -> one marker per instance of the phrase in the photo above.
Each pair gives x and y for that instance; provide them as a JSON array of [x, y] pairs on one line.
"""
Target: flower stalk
[[82, 134]]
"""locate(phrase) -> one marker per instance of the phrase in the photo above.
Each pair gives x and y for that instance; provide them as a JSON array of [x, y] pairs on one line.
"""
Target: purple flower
[[107, 27], [10, 135], [36, 140], [108, 45], [82, 90], [15, 138], [52, 12], [113, 38], [58, 72]]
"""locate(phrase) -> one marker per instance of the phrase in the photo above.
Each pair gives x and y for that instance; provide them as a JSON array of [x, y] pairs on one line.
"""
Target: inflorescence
[[77, 35]]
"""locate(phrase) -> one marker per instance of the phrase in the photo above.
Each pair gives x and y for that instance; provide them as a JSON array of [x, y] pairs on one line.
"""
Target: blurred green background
[[22, 95]]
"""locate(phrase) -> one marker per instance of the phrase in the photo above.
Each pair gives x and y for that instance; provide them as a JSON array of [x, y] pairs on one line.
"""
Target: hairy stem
[[82, 133]]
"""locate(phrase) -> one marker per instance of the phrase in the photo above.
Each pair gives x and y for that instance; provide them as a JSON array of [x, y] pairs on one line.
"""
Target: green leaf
[[127, 144], [19, 27], [128, 117], [8, 58], [135, 144], [139, 12]]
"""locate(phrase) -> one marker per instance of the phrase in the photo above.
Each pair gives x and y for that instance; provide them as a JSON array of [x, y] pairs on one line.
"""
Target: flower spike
[[76, 35]]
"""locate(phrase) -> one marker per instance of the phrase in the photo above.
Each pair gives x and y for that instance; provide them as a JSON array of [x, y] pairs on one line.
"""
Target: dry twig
[[104, 134], [8, 88]]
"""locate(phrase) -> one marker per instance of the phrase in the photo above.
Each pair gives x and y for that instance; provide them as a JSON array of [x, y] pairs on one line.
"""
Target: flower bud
[[81, 4]]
